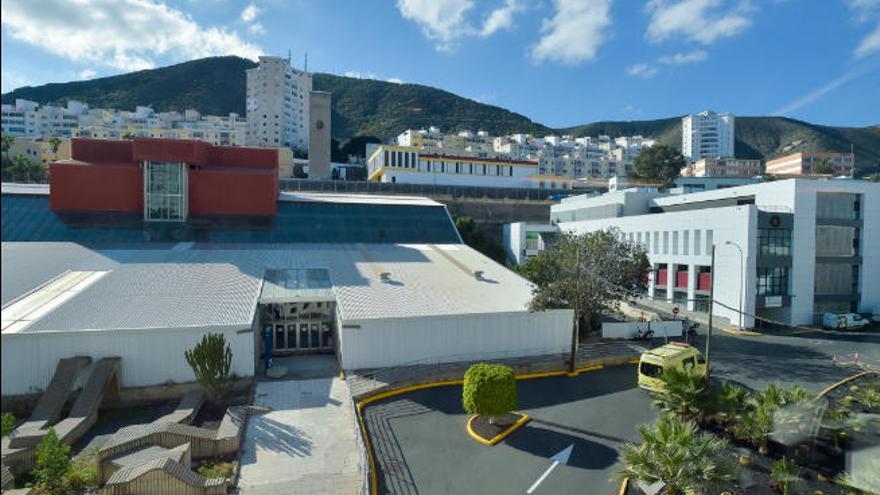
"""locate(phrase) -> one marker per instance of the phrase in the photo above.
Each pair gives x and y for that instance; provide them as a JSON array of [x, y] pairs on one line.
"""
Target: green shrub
[[489, 390], [210, 361], [7, 422], [785, 473], [684, 393], [216, 469], [56, 474]]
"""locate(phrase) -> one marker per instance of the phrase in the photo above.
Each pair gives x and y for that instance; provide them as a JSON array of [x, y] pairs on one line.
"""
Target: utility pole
[[711, 304], [575, 327]]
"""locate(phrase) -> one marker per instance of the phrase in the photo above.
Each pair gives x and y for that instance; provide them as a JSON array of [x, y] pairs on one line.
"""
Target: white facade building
[[807, 246], [27, 119], [707, 135], [558, 156], [411, 165], [278, 104]]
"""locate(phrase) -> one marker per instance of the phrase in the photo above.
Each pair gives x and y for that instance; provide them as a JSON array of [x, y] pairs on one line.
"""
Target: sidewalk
[[307, 443]]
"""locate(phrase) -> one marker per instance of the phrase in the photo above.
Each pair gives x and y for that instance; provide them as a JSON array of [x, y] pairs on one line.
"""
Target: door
[[303, 336]]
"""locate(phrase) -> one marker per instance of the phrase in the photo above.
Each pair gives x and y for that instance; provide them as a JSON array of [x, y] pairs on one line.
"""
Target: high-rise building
[[278, 104], [707, 135]]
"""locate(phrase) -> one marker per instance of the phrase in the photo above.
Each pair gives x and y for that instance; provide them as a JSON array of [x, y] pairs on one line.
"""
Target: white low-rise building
[[785, 251]]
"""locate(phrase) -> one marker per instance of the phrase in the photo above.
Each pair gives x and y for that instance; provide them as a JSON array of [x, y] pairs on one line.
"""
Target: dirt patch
[[481, 426]]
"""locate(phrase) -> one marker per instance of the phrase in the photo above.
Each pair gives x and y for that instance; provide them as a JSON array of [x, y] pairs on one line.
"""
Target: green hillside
[[364, 107]]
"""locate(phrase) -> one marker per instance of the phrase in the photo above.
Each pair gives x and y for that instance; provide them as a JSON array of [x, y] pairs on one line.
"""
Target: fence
[[364, 187]]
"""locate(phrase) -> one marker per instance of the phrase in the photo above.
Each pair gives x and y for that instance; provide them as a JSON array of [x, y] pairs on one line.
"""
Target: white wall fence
[[449, 338], [149, 356], [629, 329]]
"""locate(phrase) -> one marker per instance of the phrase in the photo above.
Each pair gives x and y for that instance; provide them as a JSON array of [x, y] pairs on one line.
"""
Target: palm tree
[[55, 143], [759, 416], [824, 167], [684, 394], [7, 141], [675, 453], [20, 166], [36, 170], [128, 135]]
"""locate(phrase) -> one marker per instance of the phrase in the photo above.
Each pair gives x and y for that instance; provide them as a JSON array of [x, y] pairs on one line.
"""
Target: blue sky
[[559, 62]]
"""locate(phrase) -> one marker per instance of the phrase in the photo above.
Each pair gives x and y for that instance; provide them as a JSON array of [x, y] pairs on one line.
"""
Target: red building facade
[[105, 175]]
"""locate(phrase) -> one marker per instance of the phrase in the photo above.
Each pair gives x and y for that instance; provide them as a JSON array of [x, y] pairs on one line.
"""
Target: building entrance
[[301, 326]]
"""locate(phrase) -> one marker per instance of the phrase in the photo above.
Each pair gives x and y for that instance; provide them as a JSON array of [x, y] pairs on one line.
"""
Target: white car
[[843, 321]]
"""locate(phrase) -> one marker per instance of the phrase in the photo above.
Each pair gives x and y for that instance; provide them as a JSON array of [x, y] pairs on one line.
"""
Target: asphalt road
[[421, 445], [806, 359]]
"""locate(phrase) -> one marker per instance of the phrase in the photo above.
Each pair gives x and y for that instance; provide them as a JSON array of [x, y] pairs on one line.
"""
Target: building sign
[[773, 302]]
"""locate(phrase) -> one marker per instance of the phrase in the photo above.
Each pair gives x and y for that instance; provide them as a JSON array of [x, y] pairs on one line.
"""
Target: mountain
[[366, 107]]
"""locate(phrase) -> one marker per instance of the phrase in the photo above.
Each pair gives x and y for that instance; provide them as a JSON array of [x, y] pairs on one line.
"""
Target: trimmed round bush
[[489, 390]]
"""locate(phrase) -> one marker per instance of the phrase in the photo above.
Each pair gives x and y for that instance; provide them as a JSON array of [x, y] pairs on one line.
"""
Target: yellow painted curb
[[806, 330], [374, 482], [499, 437], [623, 485], [543, 374], [841, 382], [634, 361], [741, 333]]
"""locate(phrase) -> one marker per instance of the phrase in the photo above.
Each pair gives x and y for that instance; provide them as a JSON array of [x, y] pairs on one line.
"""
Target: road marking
[[561, 456]]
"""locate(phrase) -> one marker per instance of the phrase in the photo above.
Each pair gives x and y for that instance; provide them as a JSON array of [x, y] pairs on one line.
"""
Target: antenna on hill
[[288, 56], [306, 63]]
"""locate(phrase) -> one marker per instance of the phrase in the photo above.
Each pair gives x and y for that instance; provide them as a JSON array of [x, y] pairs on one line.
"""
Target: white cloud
[[703, 21], [360, 75], [822, 91], [869, 44], [445, 21], [257, 28], [442, 21], [867, 11], [501, 18], [250, 12], [575, 31], [394, 80], [126, 34], [87, 74], [685, 58], [645, 71]]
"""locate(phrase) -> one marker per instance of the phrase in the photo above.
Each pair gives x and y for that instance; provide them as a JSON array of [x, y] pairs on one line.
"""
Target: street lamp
[[742, 277]]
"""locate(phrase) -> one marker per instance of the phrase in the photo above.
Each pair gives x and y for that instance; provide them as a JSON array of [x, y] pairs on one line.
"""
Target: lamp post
[[742, 277]]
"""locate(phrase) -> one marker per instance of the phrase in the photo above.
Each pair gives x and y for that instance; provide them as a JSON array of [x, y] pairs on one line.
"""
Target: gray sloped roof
[[220, 284]]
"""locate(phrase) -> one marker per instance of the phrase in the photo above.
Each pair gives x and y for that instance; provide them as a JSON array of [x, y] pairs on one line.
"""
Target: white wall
[[149, 356], [451, 338], [735, 223], [452, 179]]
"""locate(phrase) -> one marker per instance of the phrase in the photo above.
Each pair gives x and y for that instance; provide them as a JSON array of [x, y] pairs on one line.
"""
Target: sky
[[558, 62]]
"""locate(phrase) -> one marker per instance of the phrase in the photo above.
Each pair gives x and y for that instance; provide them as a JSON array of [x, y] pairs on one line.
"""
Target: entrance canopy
[[297, 284]]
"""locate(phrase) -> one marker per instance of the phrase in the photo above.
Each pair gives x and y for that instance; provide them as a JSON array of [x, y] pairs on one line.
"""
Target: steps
[[84, 412]]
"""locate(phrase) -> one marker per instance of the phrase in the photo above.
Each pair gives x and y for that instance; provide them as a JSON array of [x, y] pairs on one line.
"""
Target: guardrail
[[364, 187]]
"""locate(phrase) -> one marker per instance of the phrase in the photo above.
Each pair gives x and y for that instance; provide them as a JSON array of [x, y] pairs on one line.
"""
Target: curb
[[841, 382], [741, 333], [499, 437], [374, 482], [623, 486]]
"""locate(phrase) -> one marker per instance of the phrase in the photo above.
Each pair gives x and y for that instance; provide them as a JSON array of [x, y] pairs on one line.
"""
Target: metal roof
[[210, 284]]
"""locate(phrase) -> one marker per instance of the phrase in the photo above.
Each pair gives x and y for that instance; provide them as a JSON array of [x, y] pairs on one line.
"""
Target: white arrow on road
[[560, 457]]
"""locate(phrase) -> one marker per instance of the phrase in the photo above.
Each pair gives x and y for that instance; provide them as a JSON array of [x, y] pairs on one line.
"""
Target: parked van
[[672, 355], [843, 321]]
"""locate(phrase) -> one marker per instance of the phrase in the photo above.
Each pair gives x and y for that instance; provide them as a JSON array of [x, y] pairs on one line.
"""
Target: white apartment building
[[722, 167], [411, 165], [785, 251], [27, 119], [278, 104], [556, 156], [707, 135]]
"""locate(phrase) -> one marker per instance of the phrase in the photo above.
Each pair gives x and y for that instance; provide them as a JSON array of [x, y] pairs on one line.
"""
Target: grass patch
[[216, 469]]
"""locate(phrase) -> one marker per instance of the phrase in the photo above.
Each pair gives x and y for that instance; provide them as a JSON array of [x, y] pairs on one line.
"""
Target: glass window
[[709, 241], [165, 197], [685, 242], [665, 242], [774, 242], [697, 244], [772, 281], [675, 242]]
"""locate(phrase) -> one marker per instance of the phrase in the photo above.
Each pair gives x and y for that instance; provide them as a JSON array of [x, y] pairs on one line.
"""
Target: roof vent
[[385, 276], [479, 274]]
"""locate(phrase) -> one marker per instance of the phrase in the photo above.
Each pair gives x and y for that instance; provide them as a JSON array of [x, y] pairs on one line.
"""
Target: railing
[[364, 187]]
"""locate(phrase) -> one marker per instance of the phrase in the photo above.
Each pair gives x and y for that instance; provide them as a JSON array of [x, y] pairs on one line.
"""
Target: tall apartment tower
[[278, 104], [319, 135], [707, 135]]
